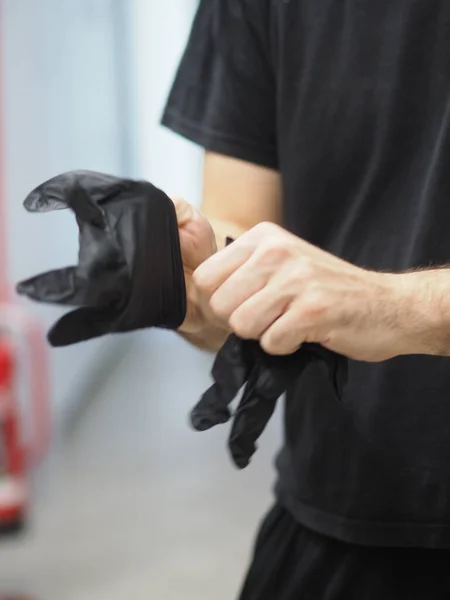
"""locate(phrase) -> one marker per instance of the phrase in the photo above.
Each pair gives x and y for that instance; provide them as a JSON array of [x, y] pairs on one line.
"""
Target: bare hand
[[272, 286]]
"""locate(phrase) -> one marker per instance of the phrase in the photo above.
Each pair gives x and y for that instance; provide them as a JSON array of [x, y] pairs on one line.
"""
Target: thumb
[[197, 237], [184, 210]]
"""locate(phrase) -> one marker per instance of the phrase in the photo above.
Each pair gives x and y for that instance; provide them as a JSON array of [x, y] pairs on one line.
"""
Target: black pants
[[293, 563]]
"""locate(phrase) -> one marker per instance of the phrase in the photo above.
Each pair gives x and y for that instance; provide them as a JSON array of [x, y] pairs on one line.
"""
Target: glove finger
[[65, 288], [255, 410], [269, 380], [61, 286], [78, 326], [82, 191], [210, 410], [338, 369], [230, 371], [337, 366], [233, 365]]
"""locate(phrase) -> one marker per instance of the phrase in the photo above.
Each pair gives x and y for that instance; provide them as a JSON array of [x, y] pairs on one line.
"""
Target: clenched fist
[[198, 243], [272, 286]]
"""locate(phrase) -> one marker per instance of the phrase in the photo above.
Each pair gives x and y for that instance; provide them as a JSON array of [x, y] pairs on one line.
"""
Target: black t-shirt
[[350, 101]]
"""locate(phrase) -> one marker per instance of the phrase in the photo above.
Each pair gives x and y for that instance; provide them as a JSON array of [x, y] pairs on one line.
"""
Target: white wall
[[85, 82], [62, 111], [158, 34]]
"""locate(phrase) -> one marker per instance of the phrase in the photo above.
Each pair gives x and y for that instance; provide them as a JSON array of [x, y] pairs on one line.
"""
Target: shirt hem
[[366, 533]]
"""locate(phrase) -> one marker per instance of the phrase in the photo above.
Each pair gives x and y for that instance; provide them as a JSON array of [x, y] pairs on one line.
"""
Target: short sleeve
[[223, 96]]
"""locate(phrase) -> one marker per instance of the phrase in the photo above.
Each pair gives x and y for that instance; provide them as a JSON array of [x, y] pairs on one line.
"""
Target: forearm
[[236, 196], [425, 311]]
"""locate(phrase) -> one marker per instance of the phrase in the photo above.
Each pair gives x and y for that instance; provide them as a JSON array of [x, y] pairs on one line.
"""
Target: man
[[326, 126]]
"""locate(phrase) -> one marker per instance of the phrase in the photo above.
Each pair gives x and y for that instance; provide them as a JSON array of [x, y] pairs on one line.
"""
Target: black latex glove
[[129, 274], [266, 378]]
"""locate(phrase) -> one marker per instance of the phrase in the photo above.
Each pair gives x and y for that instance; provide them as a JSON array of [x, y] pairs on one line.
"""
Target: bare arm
[[236, 196], [424, 308]]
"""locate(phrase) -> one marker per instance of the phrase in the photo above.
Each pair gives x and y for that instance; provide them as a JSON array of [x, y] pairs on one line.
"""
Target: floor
[[135, 505]]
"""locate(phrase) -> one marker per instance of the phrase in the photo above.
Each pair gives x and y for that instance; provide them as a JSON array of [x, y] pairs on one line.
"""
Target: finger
[[257, 314], [211, 274], [184, 210], [285, 335], [241, 286]]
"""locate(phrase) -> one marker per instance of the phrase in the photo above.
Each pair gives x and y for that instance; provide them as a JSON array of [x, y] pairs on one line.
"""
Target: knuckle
[[267, 345], [241, 326], [271, 343], [183, 209], [197, 278], [304, 268], [218, 307], [201, 280], [273, 250], [178, 201], [271, 348], [264, 228], [279, 344], [314, 303]]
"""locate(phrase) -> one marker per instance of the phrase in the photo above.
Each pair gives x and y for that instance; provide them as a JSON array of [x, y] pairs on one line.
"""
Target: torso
[[363, 109]]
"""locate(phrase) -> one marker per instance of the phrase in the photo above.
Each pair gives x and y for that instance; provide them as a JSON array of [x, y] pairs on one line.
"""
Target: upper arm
[[237, 195], [224, 93], [224, 99]]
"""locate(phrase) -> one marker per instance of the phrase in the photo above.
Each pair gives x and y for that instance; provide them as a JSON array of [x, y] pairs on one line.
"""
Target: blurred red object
[[21, 446], [13, 488], [17, 453]]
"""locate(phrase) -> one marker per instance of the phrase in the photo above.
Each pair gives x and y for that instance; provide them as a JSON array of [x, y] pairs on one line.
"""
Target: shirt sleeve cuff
[[219, 142]]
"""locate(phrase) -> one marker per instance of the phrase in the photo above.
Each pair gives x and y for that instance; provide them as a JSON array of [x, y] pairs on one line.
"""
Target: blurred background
[[125, 500]]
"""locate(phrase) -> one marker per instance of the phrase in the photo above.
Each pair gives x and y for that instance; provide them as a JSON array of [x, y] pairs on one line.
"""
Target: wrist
[[423, 317], [199, 328], [204, 335], [196, 318]]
